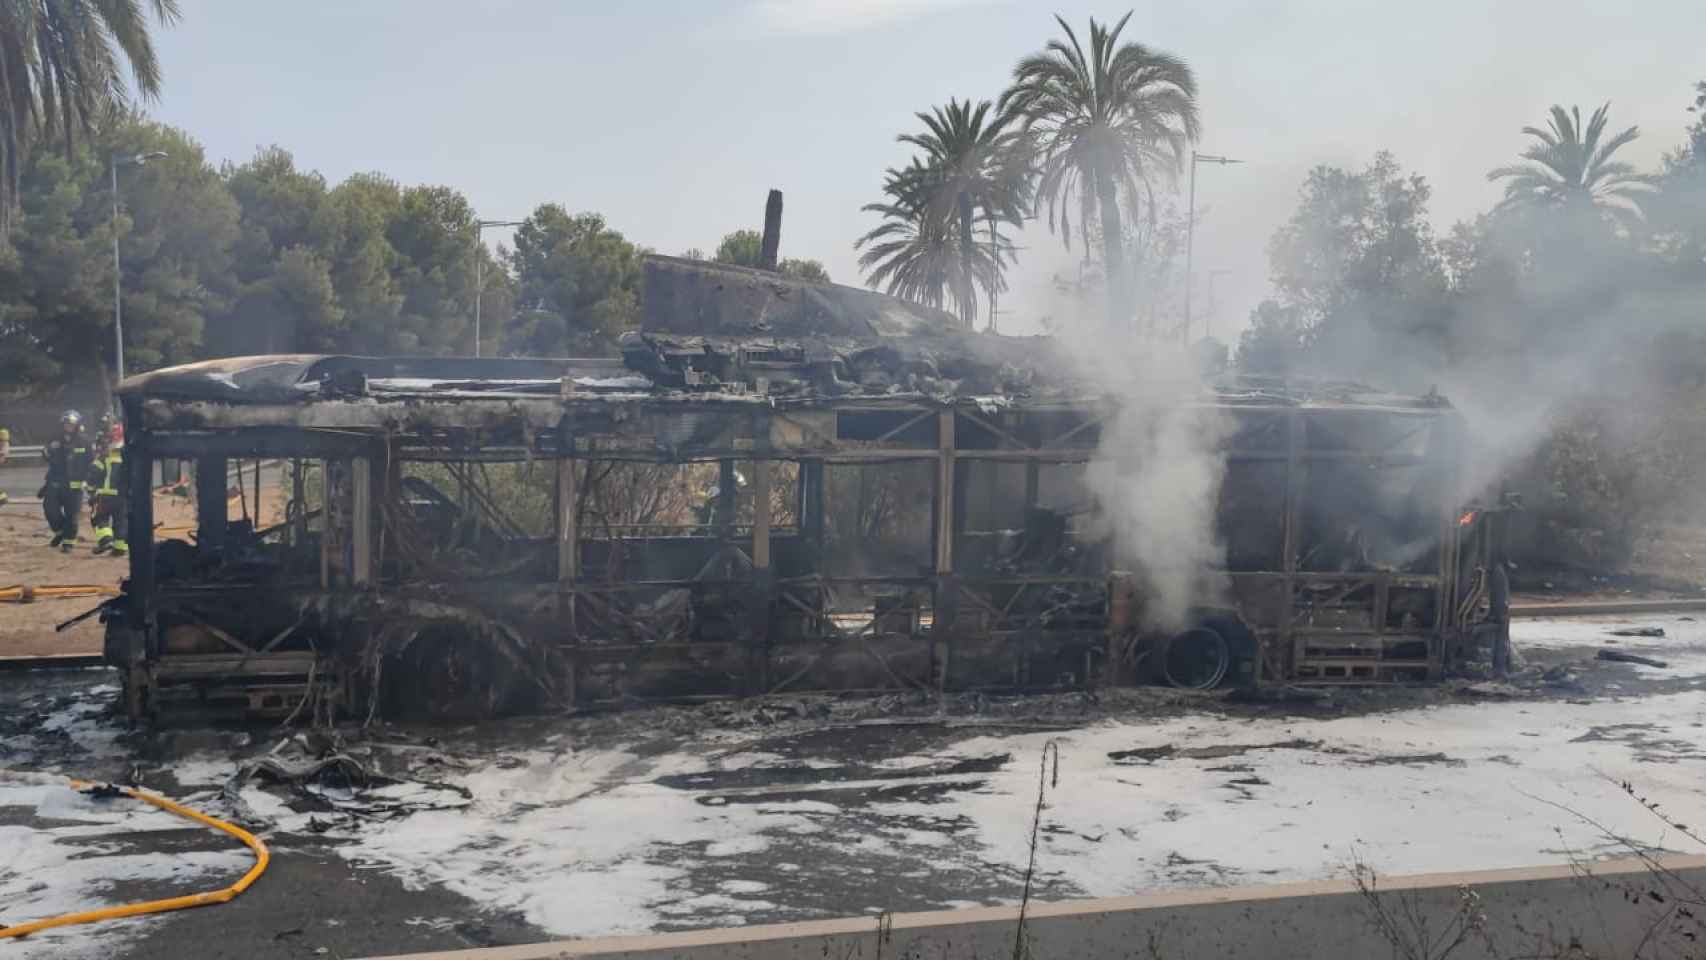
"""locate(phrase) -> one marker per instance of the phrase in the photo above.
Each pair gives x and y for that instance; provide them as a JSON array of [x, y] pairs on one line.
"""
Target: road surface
[[20, 480], [796, 808]]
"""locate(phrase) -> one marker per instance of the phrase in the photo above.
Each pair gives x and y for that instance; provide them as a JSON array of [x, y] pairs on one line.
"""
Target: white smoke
[[1156, 480]]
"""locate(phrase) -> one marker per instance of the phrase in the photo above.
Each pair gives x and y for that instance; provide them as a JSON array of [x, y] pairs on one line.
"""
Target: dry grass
[[26, 630]]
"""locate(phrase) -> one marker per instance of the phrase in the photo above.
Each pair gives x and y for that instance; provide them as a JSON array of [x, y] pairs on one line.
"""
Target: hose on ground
[[20, 593], [262, 857]]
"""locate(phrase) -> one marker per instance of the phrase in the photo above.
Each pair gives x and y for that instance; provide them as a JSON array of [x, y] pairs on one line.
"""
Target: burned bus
[[777, 487]]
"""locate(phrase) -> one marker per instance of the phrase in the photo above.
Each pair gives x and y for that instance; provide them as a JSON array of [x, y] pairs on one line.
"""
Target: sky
[[672, 118]]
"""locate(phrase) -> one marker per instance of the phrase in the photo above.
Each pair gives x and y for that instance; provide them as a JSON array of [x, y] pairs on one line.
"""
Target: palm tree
[[917, 255], [1102, 124], [1013, 188], [60, 67], [1571, 166], [975, 167]]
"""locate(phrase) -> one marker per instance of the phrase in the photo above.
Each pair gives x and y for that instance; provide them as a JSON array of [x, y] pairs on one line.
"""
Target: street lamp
[[1191, 231], [134, 160], [479, 270]]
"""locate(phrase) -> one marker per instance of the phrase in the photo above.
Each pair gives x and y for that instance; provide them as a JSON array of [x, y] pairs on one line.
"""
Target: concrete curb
[[1604, 906], [1605, 607]]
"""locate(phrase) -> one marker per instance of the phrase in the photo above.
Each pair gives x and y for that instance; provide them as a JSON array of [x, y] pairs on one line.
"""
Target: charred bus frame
[[356, 603]]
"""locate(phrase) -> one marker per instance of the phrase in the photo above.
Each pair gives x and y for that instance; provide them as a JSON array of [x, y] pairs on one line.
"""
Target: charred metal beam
[[210, 506], [945, 500], [946, 600], [1290, 544], [812, 509], [362, 520], [726, 490], [139, 461], [266, 442], [568, 520], [486, 414]]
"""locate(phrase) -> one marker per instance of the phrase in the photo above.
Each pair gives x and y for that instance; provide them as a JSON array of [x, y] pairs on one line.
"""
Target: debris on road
[[1658, 632], [1618, 656], [1490, 688], [323, 777]]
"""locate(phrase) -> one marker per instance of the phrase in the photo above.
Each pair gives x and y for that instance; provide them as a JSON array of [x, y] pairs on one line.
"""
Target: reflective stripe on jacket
[[111, 472]]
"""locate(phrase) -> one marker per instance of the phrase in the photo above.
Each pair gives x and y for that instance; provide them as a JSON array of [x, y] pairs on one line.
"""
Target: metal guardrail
[[21, 456]]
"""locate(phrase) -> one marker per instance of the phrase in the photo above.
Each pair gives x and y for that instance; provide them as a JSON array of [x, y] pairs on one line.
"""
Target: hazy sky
[[673, 118]]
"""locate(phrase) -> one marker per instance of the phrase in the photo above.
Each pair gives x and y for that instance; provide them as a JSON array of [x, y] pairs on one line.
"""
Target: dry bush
[[1622, 461]]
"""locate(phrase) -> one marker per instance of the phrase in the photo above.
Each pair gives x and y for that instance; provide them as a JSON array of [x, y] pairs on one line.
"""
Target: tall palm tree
[[1103, 123], [1013, 190], [60, 67], [974, 158], [916, 254], [1571, 166]]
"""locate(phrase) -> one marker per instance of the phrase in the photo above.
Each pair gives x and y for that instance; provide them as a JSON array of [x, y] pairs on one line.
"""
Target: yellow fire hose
[[158, 906], [19, 593]]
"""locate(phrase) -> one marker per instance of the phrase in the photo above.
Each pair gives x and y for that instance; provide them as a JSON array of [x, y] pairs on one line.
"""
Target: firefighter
[[67, 467], [106, 486], [5, 454]]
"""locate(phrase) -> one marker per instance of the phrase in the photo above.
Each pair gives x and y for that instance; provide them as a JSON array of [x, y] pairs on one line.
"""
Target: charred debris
[[779, 486]]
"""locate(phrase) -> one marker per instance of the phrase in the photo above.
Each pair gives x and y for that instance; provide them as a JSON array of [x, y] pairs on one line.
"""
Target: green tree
[[282, 207], [176, 228], [1156, 251], [1273, 344], [743, 248], [298, 304], [363, 265], [1103, 124], [914, 254], [577, 284], [1355, 237], [61, 68], [971, 156], [433, 234], [1359, 263], [811, 271], [1571, 166], [1679, 216], [278, 304]]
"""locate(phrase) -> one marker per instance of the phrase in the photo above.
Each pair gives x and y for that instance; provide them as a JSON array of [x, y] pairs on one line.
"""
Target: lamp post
[[1191, 232], [479, 270], [118, 160]]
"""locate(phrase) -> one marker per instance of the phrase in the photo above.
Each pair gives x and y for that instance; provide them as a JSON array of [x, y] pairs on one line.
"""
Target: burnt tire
[[449, 673], [1196, 659]]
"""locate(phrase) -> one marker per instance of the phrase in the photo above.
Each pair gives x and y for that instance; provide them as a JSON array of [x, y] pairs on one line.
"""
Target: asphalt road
[[803, 808], [22, 481]]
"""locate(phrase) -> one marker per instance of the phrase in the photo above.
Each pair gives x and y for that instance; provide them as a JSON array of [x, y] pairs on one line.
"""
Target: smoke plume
[[1155, 483]]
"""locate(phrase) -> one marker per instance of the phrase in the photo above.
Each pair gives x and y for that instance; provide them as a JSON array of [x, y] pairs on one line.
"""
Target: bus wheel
[[1196, 659]]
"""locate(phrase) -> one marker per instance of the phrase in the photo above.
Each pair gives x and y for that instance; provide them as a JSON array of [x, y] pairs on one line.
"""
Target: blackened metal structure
[[866, 499]]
